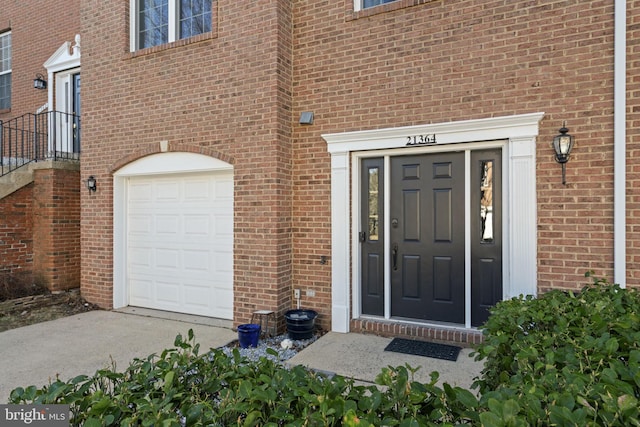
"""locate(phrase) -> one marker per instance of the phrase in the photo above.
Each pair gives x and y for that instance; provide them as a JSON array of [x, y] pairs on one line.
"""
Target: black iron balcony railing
[[32, 137]]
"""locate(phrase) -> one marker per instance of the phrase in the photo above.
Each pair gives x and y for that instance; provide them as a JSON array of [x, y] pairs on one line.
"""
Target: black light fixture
[[39, 82], [562, 144], [92, 184]]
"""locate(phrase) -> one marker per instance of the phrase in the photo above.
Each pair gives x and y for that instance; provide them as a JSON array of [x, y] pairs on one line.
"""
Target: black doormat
[[422, 348]]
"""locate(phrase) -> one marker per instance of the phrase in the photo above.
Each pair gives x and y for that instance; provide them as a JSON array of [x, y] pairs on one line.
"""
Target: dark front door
[[428, 237]]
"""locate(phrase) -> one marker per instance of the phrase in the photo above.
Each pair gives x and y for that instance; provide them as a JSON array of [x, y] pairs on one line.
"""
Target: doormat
[[423, 348]]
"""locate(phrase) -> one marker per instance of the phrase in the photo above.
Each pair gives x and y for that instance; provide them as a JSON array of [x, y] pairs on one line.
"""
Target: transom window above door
[[156, 22]]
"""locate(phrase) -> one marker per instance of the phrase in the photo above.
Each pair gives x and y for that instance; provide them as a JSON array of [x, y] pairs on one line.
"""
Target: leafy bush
[[181, 387], [566, 358], [563, 359]]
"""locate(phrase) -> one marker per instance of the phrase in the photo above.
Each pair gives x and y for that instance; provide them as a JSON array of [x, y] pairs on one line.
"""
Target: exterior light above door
[[562, 144], [39, 82]]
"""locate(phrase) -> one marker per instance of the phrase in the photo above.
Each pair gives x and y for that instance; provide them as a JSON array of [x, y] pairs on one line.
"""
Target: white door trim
[[520, 131], [162, 163]]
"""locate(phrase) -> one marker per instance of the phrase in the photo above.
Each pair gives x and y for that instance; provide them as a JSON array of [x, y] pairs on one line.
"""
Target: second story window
[[5, 71], [156, 22], [370, 3]]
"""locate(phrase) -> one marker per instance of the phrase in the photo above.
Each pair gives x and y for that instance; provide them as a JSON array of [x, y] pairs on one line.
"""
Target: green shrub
[[563, 359], [566, 358], [180, 387]]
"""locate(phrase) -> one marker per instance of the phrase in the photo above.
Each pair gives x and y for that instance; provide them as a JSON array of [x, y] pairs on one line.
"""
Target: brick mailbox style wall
[[235, 95]]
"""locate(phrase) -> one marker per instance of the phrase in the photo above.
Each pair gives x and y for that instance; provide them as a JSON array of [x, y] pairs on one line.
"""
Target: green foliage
[[566, 358], [563, 359], [180, 387]]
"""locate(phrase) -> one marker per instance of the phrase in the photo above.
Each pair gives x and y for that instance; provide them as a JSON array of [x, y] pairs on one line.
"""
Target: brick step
[[441, 334]]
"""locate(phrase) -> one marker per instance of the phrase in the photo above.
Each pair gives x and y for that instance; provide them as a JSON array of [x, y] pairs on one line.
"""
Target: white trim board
[[520, 246]]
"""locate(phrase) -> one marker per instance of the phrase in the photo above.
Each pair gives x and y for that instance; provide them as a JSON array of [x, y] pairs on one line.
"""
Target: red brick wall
[[239, 92], [38, 28], [417, 62], [230, 94], [633, 143], [16, 232], [56, 227]]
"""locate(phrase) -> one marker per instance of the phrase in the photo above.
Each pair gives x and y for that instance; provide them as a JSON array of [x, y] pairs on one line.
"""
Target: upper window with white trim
[[365, 4], [156, 22], [5, 71], [371, 3]]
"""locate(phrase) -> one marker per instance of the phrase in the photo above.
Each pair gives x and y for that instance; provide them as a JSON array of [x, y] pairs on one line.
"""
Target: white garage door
[[180, 243]]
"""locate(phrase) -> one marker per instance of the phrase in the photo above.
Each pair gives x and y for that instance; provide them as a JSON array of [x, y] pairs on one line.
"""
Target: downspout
[[619, 144]]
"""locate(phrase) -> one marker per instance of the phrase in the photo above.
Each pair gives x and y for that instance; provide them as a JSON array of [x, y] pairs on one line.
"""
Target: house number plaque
[[421, 139]]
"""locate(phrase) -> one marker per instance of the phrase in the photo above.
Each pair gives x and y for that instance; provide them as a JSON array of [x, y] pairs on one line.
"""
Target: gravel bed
[[285, 347]]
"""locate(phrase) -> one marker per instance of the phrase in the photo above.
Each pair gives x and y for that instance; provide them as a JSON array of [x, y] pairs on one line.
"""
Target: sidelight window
[[486, 201], [374, 204]]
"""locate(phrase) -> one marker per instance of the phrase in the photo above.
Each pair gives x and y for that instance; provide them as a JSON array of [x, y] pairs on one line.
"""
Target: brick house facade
[[410, 90], [40, 202]]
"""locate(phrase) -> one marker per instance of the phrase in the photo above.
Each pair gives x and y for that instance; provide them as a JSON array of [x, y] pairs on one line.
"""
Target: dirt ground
[[42, 308]]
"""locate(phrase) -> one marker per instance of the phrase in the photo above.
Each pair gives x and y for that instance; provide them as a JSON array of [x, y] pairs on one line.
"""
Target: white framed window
[[156, 22], [5, 70], [365, 4]]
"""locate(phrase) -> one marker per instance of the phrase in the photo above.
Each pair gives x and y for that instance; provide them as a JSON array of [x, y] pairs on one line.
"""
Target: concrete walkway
[[84, 343]]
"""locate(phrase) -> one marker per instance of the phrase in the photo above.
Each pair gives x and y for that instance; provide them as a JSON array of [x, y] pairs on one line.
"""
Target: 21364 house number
[[421, 139]]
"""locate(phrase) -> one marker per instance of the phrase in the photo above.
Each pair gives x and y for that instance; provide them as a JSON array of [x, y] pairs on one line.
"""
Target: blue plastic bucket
[[248, 335]]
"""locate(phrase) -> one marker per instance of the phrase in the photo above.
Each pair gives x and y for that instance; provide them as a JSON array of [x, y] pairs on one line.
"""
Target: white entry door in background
[[179, 242]]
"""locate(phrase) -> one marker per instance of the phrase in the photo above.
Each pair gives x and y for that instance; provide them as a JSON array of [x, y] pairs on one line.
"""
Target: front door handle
[[394, 256]]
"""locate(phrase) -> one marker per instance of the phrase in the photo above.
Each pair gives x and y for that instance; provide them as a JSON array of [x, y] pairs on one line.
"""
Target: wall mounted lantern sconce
[[39, 82], [306, 118], [562, 144], [92, 184]]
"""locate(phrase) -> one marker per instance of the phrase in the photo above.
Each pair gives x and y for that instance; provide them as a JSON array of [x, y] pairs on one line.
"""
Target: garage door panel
[[196, 295], [166, 191], [196, 190], [224, 226], [197, 261], [197, 225], [167, 224], [224, 189], [167, 259], [140, 192], [140, 224], [223, 262], [140, 257], [141, 290], [180, 243], [168, 292]]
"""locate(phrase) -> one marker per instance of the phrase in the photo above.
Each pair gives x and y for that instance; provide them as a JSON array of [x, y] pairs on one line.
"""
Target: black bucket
[[300, 323]]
